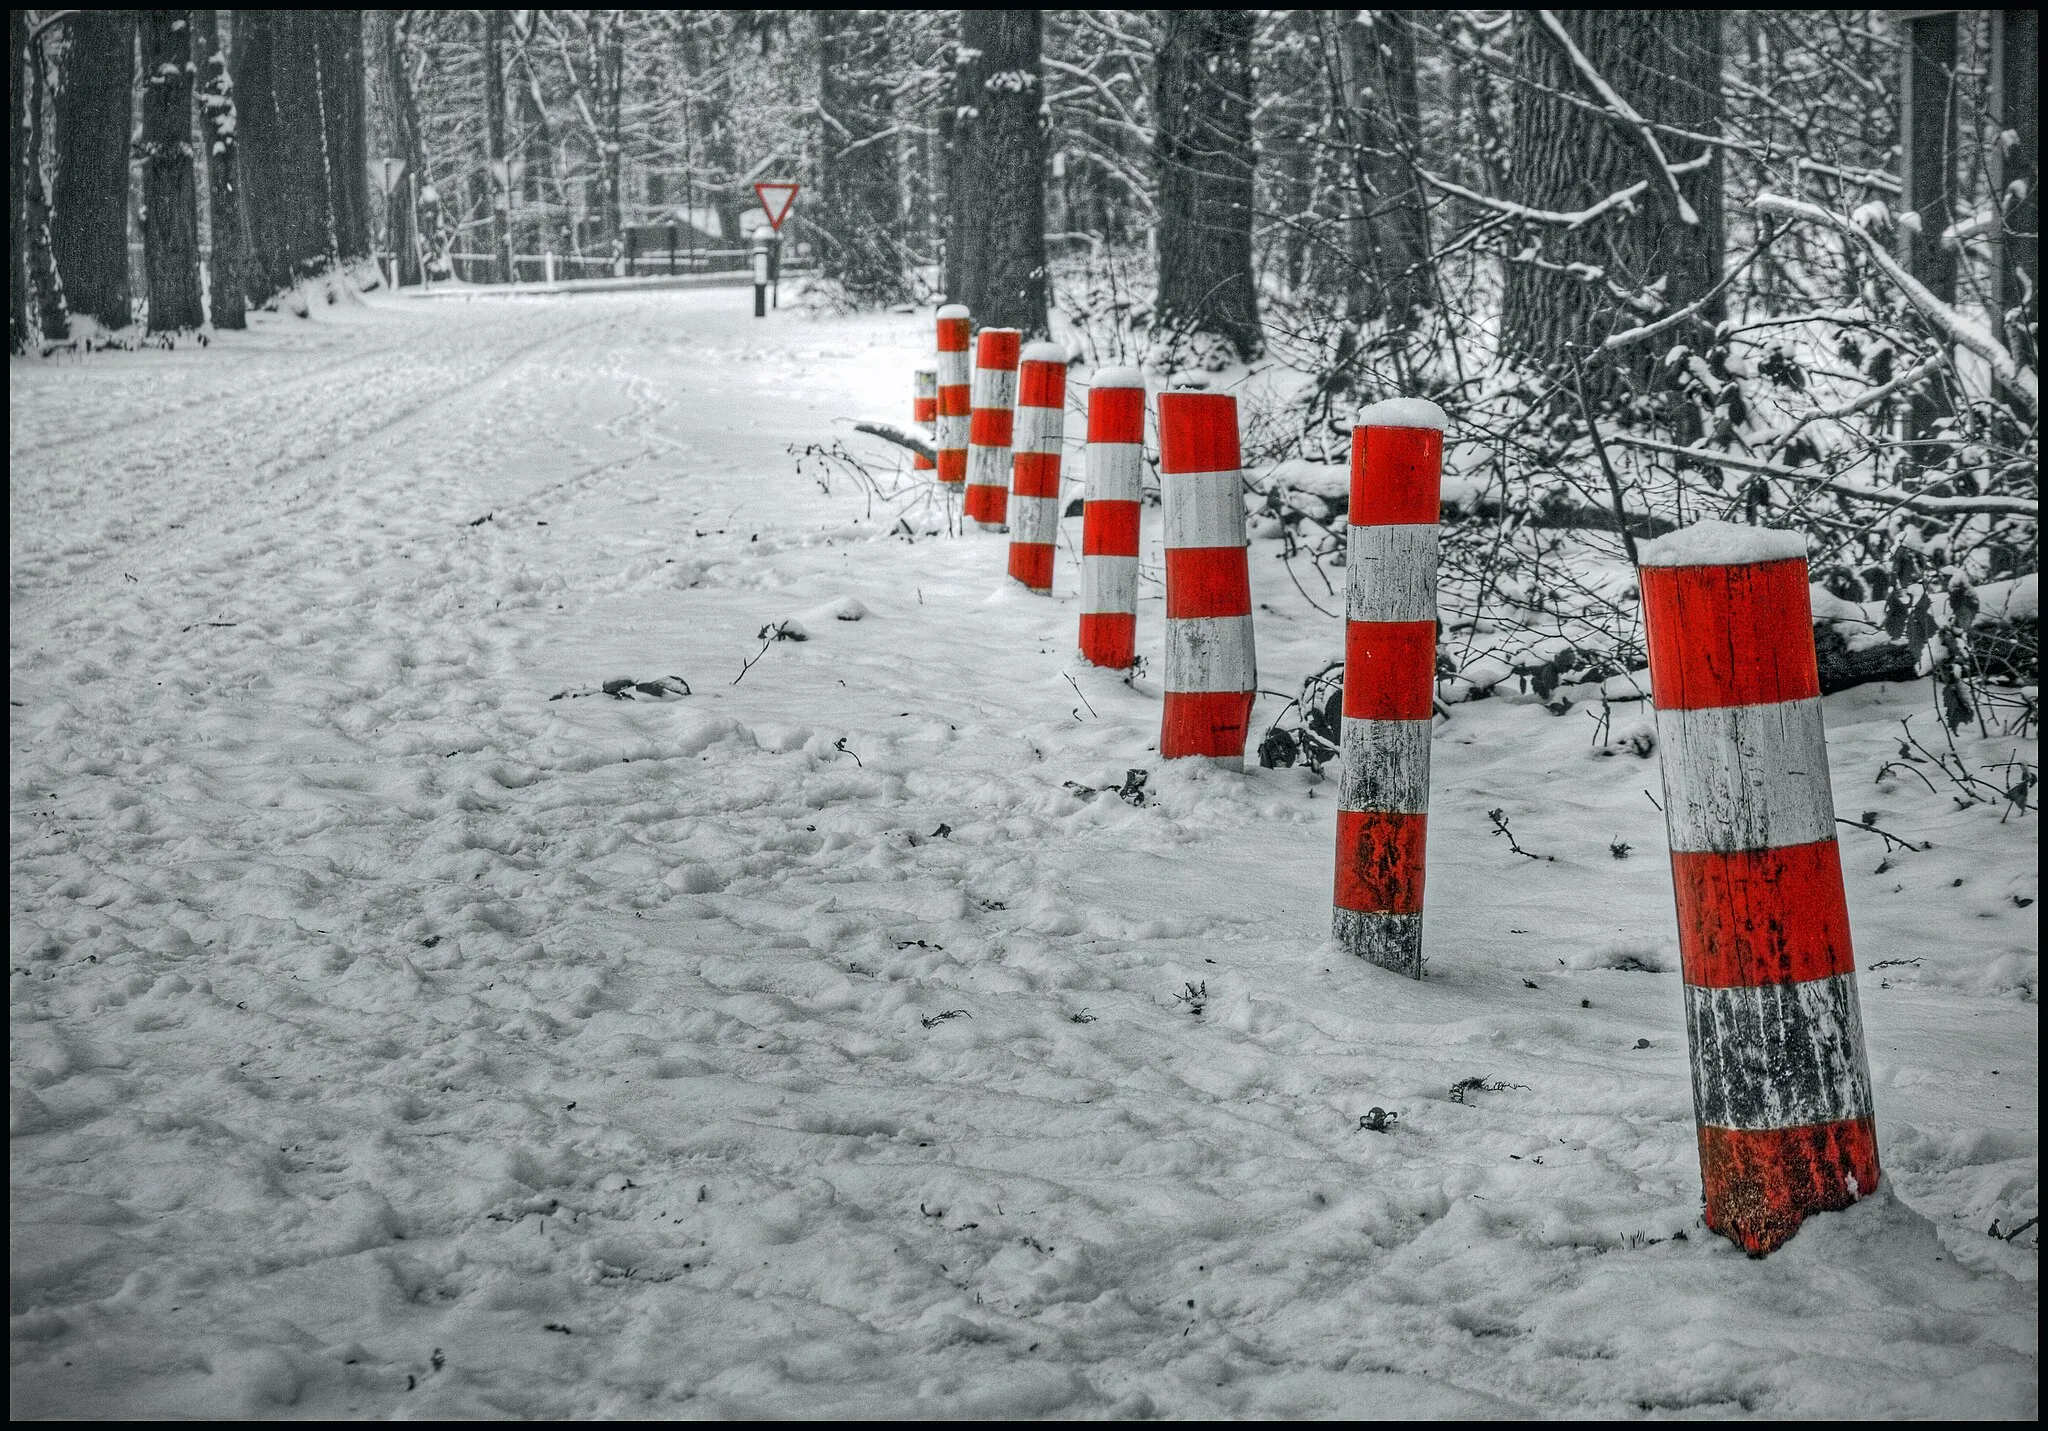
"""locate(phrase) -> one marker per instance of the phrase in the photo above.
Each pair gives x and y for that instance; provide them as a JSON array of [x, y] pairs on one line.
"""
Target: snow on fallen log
[[898, 436]]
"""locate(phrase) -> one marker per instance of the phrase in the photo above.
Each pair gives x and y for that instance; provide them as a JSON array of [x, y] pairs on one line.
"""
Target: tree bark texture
[[304, 142], [405, 124], [170, 197], [47, 291], [94, 110], [1385, 123], [1638, 261], [494, 142], [855, 222], [997, 178], [1203, 155], [227, 283], [2016, 40], [20, 323]]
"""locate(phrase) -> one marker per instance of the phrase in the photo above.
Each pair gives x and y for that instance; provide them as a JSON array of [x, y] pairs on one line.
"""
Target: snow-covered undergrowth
[[388, 1037]]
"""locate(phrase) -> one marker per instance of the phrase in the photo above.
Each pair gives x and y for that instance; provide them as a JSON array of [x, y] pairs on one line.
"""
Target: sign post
[[778, 197], [385, 174]]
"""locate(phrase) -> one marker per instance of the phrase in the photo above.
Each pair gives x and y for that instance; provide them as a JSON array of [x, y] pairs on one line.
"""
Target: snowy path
[[387, 1038]]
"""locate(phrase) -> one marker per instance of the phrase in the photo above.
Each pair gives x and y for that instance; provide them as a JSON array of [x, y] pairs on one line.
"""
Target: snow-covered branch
[[1945, 506], [1538, 216], [1621, 109], [1943, 317]]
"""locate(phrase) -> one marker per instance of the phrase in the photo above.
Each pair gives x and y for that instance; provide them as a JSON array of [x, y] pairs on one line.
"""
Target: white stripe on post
[[1035, 464], [1114, 497]]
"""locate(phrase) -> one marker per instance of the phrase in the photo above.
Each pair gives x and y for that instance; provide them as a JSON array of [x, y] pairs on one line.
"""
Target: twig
[[1082, 694], [746, 666], [1628, 538], [1500, 827]]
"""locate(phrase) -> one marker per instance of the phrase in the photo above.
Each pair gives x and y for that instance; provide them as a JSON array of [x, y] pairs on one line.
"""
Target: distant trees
[[1204, 160]]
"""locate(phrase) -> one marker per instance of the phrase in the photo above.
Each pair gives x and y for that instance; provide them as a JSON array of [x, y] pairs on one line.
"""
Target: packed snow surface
[[422, 1007], [1721, 544], [1403, 412]]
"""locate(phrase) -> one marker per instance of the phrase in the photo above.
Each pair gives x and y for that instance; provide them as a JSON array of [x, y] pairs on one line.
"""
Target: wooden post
[[1211, 665], [955, 400], [1397, 460], [988, 437], [1781, 1083], [1035, 464], [1114, 497]]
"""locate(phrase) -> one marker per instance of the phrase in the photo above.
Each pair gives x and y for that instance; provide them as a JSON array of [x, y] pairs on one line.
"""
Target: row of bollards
[[1781, 1084]]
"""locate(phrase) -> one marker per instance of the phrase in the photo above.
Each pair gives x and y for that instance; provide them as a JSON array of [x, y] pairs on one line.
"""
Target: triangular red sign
[[769, 193]]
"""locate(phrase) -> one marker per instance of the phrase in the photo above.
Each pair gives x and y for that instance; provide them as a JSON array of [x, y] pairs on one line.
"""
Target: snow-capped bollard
[[1109, 519], [988, 436], [1780, 1080], [1397, 459], [954, 395], [1211, 669], [924, 411], [1035, 464]]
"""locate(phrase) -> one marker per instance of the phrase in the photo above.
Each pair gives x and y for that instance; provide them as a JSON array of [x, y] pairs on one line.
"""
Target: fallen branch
[[898, 436]]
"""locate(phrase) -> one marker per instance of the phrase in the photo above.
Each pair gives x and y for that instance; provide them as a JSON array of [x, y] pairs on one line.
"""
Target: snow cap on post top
[[1403, 412], [1117, 378], [1033, 382], [1116, 406], [953, 313], [1721, 544]]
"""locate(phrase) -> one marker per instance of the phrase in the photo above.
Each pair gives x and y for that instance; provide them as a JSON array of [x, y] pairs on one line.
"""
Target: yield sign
[[777, 197], [385, 174]]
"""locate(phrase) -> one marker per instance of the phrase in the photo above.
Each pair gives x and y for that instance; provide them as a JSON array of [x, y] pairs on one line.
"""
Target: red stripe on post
[[998, 348], [952, 464], [1389, 670], [952, 335], [1761, 1185], [1379, 861], [1730, 635], [1041, 385], [1207, 581], [1210, 723], [1110, 529], [956, 400], [989, 427], [1396, 477], [1116, 414], [924, 409], [1109, 638], [1035, 474], [1031, 563], [1762, 916], [1198, 433]]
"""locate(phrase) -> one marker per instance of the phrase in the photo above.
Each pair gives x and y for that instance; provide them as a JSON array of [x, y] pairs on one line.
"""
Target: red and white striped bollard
[[1397, 452], [1781, 1081], [1113, 498], [924, 412], [1035, 464], [1211, 667], [954, 395], [988, 437]]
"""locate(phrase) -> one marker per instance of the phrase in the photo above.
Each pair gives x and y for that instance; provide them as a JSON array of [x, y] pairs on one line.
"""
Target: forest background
[[1779, 266]]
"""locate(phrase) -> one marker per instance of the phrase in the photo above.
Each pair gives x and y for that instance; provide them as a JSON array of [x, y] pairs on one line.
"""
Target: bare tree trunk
[[346, 141], [1386, 126], [1203, 153], [494, 142], [613, 88], [170, 198], [2017, 58], [1628, 266], [227, 284], [998, 171], [51, 316], [405, 123], [95, 108], [859, 199], [20, 324]]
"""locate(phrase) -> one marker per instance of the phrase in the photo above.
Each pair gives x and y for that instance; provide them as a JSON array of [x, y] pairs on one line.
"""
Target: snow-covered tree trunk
[[1636, 260], [996, 178], [1203, 155], [94, 112], [170, 198], [47, 292], [859, 198], [227, 283]]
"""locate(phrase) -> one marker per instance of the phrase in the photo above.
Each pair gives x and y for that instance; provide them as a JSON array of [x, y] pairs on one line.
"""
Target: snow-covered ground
[[388, 1038]]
